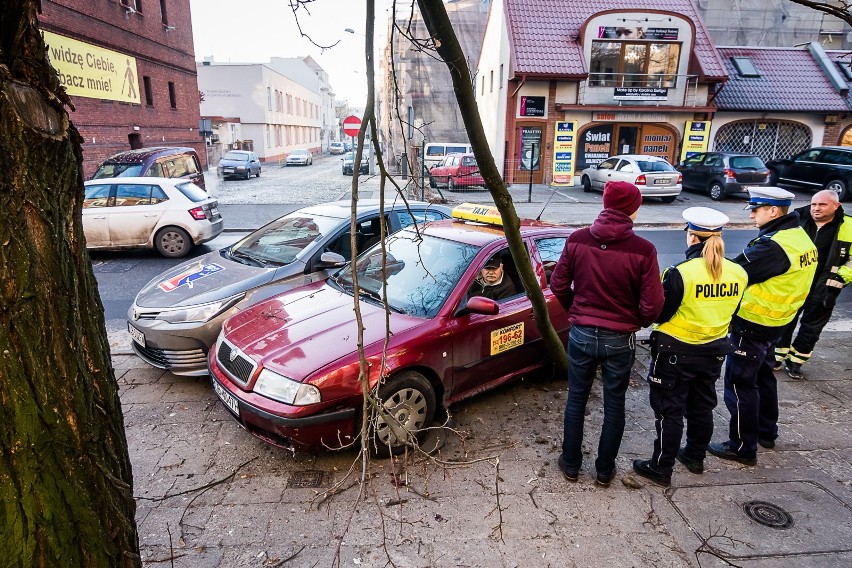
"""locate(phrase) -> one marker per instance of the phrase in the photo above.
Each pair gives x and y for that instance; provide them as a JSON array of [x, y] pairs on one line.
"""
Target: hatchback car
[[299, 157], [721, 173], [349, 163], [171, 215], [164, 161], [654, 176], [239, 163], [176, 316], [287, 368], [456, 171], [336, 148], [828, 167]]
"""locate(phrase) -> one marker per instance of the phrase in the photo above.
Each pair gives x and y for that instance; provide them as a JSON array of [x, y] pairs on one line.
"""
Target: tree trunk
[[66, 494], [441, 31]]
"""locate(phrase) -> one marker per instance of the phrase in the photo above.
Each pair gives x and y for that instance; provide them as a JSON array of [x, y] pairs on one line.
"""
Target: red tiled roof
[[790, 80], [542, 33]]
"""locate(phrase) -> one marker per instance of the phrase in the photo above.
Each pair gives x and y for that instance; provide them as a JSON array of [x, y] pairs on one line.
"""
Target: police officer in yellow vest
[[780, 264], [689, 344]]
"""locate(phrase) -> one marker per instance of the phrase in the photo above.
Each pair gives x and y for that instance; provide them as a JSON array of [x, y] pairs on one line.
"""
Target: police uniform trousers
[[682, 384], [814, 315], [751, 394]]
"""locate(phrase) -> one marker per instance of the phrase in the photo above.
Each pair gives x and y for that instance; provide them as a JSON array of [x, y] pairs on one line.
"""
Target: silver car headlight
[[280, 388], [200, 312]]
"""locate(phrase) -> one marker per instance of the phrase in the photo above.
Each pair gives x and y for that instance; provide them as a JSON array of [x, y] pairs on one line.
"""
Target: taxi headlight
[[280, 388], [200, 312]]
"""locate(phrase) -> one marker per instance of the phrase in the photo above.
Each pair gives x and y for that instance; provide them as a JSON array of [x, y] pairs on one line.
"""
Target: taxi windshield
[[281, 241], [421, 272]]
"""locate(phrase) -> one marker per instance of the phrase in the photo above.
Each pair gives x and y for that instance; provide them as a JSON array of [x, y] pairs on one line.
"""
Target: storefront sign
[[595, 145], [696, 138], [87, 70], [640, 93], [656, 142], [625, 32], [530, 150], [564, 151], [627, 116], [532, 106]]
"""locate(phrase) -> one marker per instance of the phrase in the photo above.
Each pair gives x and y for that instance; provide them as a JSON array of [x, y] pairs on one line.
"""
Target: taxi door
[[489, 350]]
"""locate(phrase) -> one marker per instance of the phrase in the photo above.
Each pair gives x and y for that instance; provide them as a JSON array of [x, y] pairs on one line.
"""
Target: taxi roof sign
[[475, 212]]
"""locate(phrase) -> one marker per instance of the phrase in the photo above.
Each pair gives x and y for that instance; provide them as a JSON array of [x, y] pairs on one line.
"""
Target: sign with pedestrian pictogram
[[351, 125]]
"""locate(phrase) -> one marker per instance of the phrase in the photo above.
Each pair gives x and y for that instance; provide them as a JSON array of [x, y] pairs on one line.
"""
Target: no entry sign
[[351, 125]]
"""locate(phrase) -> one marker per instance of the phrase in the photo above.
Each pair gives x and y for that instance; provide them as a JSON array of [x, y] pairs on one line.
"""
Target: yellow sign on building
[[696, 138], [86, 70], [564, 153]]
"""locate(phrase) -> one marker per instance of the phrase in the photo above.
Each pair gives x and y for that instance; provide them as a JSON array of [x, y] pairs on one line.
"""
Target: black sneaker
[[605, 479], [794, 370], [768, 444], [693, 465], [646, 470], [723, 450], [570, 474]]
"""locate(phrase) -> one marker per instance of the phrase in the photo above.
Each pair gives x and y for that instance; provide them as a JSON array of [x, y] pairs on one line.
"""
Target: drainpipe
[[521, 84]]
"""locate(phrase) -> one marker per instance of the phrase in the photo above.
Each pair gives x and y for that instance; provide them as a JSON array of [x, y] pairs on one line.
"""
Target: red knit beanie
[[623, 196]]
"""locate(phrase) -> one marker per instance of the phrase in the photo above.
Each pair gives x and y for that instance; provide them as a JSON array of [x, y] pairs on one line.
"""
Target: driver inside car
[[492, 282]]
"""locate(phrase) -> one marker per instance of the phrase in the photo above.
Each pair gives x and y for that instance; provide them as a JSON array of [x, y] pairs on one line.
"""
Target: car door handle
[[151, 215], [98, 216]]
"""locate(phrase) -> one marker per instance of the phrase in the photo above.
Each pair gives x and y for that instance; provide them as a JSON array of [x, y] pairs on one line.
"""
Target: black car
[[827, 167], [722, 173], [349, 163]]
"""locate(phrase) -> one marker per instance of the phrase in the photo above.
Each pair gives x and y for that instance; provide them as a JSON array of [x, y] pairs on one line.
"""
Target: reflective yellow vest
[[774, 303], [707, 307]]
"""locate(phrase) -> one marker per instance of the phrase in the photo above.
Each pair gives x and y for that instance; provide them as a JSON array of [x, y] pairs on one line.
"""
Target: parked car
[[239, 163], [299, 157], [176, 316], [654, 176], [722, 173], [292, 379], [171, 215], [349, 163], [154, 162], [456, 171], [336, 148], [828, 167]]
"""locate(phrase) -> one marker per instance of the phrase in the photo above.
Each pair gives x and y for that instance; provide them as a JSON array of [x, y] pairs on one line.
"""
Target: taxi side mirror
[[478, 305]]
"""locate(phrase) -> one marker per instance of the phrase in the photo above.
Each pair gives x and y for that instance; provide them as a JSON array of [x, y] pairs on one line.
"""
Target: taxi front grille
[[235, 363]]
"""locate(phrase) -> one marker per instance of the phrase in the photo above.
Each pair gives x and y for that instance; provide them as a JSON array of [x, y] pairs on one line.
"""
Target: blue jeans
[[589, 347]]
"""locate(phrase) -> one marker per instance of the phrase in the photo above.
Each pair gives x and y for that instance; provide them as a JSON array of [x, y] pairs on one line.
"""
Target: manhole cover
[[768, 514], [305, 479]]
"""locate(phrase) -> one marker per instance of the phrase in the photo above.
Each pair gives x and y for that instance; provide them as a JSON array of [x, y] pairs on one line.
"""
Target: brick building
[[129, 67]]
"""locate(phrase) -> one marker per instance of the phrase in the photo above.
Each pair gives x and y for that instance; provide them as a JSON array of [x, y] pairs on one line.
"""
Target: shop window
[[634, 64]]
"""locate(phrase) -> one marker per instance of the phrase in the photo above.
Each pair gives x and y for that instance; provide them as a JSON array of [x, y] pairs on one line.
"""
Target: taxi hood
[[208, 278], [305, 329]]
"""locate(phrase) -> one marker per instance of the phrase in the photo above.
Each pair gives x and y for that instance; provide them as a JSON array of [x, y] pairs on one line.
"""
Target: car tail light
[[641, 180], [198, 213], [679, 178], [729, 173]]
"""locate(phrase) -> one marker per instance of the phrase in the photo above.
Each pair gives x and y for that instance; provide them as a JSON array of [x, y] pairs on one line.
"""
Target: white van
[[435, 152]]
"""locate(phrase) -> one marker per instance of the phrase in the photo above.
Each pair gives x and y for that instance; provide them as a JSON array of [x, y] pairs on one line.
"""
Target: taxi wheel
[[172, 242], [409, 404]]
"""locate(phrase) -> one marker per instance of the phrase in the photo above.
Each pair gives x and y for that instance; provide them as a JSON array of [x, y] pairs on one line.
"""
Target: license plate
[[214, 211], [136, 335], [226, 398], [662, 181], [228, 170]]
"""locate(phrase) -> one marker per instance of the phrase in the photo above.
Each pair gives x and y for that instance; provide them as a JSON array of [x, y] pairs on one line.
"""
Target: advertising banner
[[564, 153], [595, 146], [532, 106], [625, 32], [86, 70], [530, 150], [696, 138], [640, 93]]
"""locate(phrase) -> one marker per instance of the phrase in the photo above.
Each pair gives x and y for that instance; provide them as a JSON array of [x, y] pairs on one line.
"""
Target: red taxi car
[[456, 171], [287, 368]]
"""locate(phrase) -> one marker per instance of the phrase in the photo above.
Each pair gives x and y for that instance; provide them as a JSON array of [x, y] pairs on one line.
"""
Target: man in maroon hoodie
[[608, 281]]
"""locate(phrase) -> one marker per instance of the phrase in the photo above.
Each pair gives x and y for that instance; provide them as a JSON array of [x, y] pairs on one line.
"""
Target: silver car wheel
[[173, 242]]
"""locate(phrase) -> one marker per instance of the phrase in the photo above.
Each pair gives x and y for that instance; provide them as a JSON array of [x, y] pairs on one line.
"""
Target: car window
[[654, 166], [96, 196], [128, 195], [713, 161], [192, 191], [158, 195], [421, 271], [608, 164], [693, 160], [155, 170], [118, 170], [236, 156], [448, 161], [422, 216], [191, 164], [456, 149], [808, 156], [625, 166], [367, 233], [175, 167], [282, 240], [550, 250], [836, 157], [747, 162], [469, 161], [435, 151], [509, 286]]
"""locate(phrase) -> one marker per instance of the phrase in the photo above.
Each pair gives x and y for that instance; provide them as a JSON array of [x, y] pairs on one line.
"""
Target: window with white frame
[[634, 64], [268, 98]]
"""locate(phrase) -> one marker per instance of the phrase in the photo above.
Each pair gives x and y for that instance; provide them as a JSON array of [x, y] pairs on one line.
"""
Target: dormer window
[[634, 63], [745, 67]]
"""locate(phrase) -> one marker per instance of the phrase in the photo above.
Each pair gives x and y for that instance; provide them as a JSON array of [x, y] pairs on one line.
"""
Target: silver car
[[300, 158], [654, 176], [177, 316]]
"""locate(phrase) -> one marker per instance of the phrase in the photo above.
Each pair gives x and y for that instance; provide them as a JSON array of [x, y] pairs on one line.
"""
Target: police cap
[[705, 219], [761, 196]]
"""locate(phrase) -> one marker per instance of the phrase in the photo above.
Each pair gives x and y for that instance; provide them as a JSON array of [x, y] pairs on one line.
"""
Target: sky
[[252, 31]]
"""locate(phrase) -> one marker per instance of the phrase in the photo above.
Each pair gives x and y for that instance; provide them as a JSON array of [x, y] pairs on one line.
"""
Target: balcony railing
[[641, 89]]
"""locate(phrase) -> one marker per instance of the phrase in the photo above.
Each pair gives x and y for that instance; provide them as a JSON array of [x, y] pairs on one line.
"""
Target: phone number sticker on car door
[[507, 338]]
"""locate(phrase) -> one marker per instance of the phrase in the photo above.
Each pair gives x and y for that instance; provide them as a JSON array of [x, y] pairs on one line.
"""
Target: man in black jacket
[[830, 229]]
